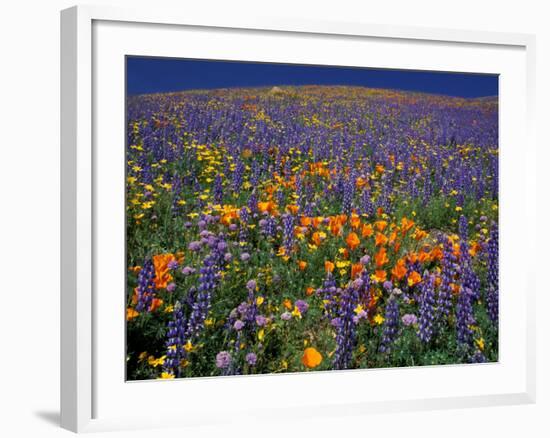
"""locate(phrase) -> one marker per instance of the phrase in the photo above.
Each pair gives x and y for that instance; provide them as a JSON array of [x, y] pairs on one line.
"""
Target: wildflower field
[[291, 229]]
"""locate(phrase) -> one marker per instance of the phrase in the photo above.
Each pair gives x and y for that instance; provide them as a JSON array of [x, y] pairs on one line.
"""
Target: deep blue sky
[[153, 75]]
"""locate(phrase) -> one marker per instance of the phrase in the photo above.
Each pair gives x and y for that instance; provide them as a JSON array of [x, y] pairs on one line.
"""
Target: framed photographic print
[[327, 210]]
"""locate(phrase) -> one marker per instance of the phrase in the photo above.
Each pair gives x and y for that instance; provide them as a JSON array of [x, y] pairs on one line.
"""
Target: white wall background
[[29, 216]]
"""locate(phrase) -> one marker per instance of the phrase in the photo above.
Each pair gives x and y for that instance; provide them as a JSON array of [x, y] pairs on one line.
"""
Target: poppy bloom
[[162, 270], [399, 270], [413, 278], [355, 221], [293, 208], [155, 304], [131, 314], [302, 265], [318, 237], [406, 225], [352, 241], [380, 225], [311, 358], [317, 221], [381, 258], [329, 266], [267, 207], [380, 239], [356, 269], [305, 221], [366, 230], [379, 276]]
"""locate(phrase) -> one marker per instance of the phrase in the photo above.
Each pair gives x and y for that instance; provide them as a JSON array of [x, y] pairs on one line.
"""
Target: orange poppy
[[414, 278], [287, 303], [366, 230], [309, 291], [293, 208], [305, 221], [329, 266], [352, 241], [474, 249], [437, 253], [356, 269], [131, 314], [302, 265], [380, 276], [381, 258], [317, 238], [355, 221], [317, 221], [228, 216], [162, 274], [419, 234], [380, 225], [381, 239], [335, 227], [311, 358], [406, 225], [155, 304], [399, 270], [266, 207]]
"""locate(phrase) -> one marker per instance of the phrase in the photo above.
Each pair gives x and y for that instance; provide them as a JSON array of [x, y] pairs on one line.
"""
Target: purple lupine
[[269, 226], [238, 176], [464, 318], [349, 191], [345, 329], [218, 189], [146, 286], [244, 216], [288, 232], [253, 202], [391, 325], [328, 294], [448, 272], [427, 308], [492, 275], [208, 279], [175, 341]]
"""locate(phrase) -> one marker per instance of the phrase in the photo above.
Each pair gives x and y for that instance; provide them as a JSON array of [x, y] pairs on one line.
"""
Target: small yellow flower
[[378, 319], [165, 375], [480, 343], [188, 346]]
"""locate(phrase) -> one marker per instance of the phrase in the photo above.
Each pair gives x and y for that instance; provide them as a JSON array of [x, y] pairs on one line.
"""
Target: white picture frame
[[80, 167]]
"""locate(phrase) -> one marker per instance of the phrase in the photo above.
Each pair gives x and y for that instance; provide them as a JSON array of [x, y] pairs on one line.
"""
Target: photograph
[[290, 218]]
